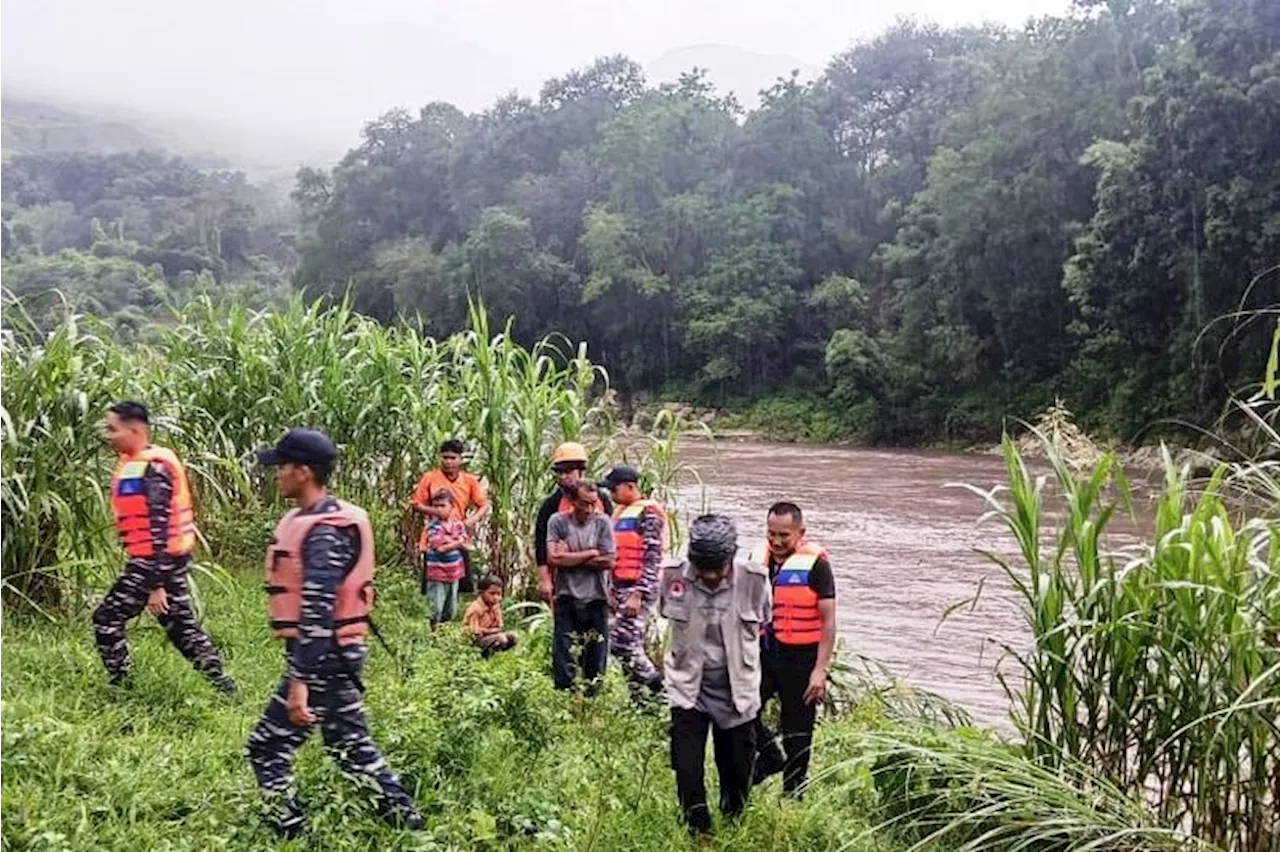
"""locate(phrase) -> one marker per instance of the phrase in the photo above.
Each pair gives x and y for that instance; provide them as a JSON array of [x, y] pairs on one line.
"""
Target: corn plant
[[224, 381], [56, 387]]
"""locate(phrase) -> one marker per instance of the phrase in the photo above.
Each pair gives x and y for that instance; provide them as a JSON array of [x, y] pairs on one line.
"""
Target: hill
[[29, 127]]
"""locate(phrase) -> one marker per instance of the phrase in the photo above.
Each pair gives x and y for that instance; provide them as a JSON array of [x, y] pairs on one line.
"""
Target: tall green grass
[[223, 381], [1158, 669]]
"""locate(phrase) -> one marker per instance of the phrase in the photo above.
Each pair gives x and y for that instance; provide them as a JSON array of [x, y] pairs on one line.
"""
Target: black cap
[[300, 446], [620, 475]]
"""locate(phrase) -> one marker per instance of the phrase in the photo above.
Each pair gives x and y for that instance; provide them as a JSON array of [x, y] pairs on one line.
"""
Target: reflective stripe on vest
[[628, 567], [796, 620], [285, 572], [133, 515]]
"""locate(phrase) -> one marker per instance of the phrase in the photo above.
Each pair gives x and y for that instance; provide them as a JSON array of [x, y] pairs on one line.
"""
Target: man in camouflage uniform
[[639, 533], [151, 500], [323, 665]]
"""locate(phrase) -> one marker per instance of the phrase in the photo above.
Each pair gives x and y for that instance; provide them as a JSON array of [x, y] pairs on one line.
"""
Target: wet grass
[[496, 758]]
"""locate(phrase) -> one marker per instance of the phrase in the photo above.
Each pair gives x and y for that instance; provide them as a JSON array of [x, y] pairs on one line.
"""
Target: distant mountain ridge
[[731, 69], [36, 123], [30, 126]]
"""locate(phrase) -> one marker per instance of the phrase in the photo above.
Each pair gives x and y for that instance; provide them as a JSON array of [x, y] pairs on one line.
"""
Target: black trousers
[[785, 672], [582, 626], [735, 754]]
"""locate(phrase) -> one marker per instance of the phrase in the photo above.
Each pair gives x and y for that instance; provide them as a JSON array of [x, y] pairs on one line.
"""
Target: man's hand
[[632, 606], [158, 601], [545, 588], [817, 686], [299, 713]]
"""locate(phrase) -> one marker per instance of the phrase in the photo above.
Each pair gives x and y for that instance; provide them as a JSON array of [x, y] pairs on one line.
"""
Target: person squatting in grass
[[640, 535], [716, 605], [483, 618], [797, 645], [444, 562], [152, 503], [320, 566], [580, 547]]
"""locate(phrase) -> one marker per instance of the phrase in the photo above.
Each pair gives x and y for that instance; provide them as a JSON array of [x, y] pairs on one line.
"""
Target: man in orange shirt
[[470, 503]]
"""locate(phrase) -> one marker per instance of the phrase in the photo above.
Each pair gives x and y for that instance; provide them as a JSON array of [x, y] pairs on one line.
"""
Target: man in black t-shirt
[[797, 645], [569, 463]]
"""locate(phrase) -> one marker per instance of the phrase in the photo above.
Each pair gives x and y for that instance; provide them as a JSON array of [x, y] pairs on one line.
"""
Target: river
[[902, 547]]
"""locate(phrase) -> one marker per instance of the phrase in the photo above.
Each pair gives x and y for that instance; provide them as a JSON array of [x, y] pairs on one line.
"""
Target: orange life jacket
[[133, 516], [628, 567], [285, 573], [795, 606]]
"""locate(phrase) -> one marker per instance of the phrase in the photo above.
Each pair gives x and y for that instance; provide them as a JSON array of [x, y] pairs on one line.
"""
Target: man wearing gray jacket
[[716, 606]]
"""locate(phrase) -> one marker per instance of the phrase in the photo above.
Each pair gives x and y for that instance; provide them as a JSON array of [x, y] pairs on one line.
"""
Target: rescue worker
[[320, 566], [151, 500], [580, 548], [716, 605], [797, 645], [569, 463], [470, 500], [640, 537]]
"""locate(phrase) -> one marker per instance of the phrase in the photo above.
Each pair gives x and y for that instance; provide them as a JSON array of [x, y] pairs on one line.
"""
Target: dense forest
[[947, 228]]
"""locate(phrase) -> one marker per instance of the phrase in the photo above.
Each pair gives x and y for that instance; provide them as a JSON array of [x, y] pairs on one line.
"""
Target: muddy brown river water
[[902, 546]]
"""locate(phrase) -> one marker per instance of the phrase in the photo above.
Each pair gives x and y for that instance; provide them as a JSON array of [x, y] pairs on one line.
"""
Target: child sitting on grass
[[483, 619], [443, 563]]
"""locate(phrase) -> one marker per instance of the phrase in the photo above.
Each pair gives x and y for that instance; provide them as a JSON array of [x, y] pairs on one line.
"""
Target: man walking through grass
[[320, 566], [152, 503], [716, 605]]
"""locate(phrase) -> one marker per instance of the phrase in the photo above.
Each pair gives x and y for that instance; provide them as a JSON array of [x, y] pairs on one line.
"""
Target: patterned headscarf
[[713, 540]]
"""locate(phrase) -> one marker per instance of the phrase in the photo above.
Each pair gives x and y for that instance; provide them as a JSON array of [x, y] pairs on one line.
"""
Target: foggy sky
[[318, 70]]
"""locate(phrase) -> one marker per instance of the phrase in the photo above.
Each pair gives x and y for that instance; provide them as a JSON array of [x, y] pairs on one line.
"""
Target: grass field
[[496, 758]]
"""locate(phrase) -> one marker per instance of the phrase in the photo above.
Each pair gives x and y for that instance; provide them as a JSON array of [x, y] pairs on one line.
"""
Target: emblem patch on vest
[[676, 589]]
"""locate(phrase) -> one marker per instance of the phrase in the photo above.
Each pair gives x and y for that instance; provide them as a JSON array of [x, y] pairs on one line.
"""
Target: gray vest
[[740, 626]]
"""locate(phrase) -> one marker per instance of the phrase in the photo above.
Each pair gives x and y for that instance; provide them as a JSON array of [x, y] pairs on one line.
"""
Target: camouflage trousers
[[127, 599], [338, 705], [626, 642]]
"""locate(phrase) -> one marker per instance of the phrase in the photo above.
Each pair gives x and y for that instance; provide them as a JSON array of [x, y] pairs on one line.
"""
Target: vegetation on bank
[[950, 226], [1145, 706], [223, 382]]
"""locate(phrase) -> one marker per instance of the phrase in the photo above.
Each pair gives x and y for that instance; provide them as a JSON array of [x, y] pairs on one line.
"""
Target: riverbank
[[496, 758], [800, 420]]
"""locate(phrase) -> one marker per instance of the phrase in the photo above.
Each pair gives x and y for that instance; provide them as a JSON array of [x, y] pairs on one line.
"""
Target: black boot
[[290, 820], [226, 686], [401, 815], [770, 757]]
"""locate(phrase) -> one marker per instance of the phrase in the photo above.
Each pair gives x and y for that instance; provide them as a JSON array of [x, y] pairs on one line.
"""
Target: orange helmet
[[568, 452]]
